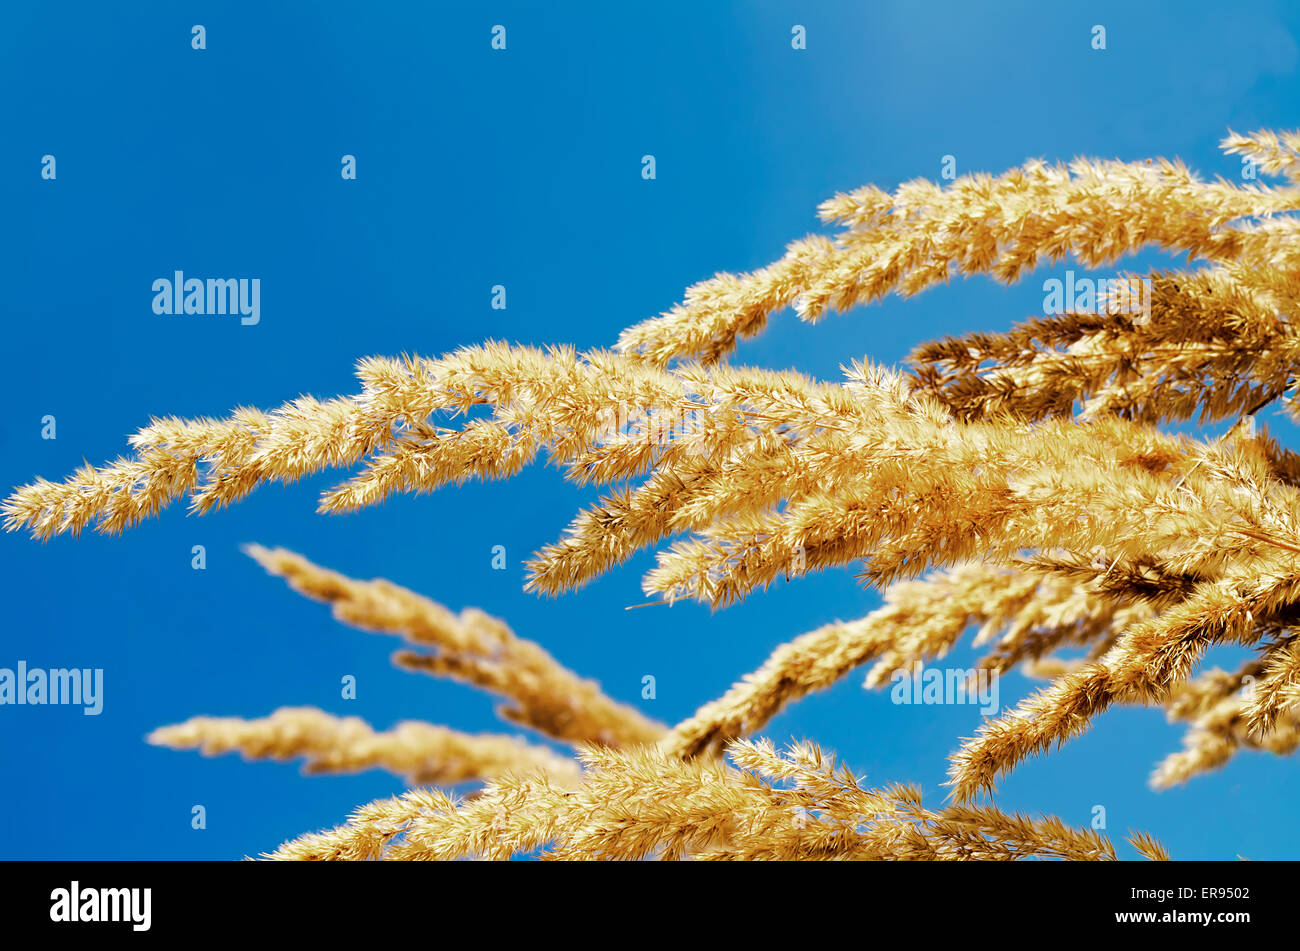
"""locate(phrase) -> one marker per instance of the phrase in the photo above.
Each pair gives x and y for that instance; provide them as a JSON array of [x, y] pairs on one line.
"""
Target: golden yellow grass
[[1016, 481]]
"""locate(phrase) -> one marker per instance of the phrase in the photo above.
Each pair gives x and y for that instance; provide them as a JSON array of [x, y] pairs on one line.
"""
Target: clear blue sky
[[520, 168]]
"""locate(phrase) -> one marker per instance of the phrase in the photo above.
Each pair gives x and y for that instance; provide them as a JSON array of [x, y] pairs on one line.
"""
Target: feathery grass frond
[[1094, 212], [419, 752], [641, 803], [473, 648]]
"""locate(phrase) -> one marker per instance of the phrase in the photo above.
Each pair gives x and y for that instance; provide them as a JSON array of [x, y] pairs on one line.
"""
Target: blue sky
[[520, 168]]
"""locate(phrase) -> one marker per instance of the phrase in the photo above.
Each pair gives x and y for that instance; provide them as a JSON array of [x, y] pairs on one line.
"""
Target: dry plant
[[1019, 482]]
